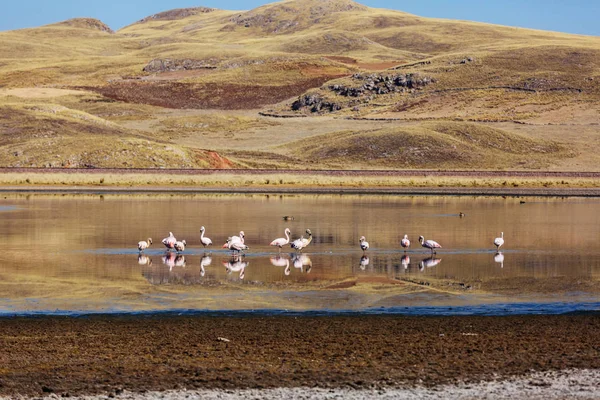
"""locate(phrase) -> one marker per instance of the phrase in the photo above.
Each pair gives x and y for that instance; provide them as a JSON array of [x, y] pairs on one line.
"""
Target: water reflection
[[236, 264], [172, 260], [301, 261], [205, 261], [405, 261], [429, 262], [499, 258], [364, 262], [280, 261], [144, 260]]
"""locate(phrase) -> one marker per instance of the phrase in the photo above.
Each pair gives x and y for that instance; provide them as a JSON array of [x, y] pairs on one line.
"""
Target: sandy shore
[[108, 355]]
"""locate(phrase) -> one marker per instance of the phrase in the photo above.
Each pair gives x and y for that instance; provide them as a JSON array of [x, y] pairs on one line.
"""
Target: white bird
[[364, 245], [169, 241], [499, 241], [301, 243], [239, 238], [143, 245], [499, 258], [205, 241], [235, 245], [405, 243], [280, 242], [180, 245], [429, 244]]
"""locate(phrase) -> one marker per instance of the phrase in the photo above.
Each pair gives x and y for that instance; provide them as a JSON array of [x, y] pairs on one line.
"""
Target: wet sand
[[109, 354]]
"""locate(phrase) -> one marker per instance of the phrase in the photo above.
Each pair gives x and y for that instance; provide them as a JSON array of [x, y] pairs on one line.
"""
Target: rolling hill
[[359, 88]]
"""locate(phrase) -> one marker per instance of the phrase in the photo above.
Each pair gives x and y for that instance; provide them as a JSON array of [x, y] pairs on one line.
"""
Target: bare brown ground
[[72, 356], [205, 96]]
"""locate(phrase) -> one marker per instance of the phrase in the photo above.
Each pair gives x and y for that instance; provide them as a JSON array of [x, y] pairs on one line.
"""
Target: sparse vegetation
[[76, 93]]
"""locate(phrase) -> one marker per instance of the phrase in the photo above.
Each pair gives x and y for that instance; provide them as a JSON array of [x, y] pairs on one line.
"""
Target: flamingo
[[172, 260], [239, 238], [280, 242], [180, 245], [169, 241], [235, 245], [429, 244], [301, 243], [405, 243], [364, 245], [499, 241], [143, 245], [205, 241]]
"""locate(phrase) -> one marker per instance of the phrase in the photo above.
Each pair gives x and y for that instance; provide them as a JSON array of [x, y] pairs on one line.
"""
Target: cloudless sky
[[573, 16]]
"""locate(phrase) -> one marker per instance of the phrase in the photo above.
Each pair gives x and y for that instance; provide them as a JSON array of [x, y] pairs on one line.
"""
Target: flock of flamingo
[[236, 243]]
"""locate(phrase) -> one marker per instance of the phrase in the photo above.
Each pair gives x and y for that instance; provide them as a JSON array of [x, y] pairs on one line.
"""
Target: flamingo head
[[184, 242], [242, 234], [308, 232], [170, 234], [362, 239], [405, 236], [201, 229], [150, 240], [421, 239], [287, 230]]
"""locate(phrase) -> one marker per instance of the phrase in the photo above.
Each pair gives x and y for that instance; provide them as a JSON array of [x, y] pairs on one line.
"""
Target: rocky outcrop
[[169, 65], [178, 13], [367, 87], [87, 23]]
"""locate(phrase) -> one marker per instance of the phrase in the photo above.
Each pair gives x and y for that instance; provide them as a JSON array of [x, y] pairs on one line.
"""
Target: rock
[[169, 65]]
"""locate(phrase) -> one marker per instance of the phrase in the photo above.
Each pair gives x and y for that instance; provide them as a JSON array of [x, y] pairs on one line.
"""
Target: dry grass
[[282, 180], [268, 56]]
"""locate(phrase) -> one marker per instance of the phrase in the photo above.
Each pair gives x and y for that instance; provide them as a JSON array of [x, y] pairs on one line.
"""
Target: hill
[[313, 60]]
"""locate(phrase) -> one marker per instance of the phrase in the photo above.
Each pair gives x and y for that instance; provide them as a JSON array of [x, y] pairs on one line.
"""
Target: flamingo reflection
[[364, 262], [205, 261], [172, 260], [300, 261], [429, 262], [236, 264], [405, 261], [144, 260], [280, 261], [499, 258]]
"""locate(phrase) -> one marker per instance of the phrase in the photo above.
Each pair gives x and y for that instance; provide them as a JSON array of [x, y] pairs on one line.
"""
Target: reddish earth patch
[[345, 60], [206, 96]]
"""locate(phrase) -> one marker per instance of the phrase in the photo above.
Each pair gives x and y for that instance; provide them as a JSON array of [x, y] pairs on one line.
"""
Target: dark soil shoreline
[[106, 354]]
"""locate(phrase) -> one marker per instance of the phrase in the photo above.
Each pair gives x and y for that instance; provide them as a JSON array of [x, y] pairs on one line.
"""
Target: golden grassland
[[75, 93], [281, 181]]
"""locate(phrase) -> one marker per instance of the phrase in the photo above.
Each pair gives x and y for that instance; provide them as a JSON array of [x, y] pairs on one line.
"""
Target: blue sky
[[573, 16]]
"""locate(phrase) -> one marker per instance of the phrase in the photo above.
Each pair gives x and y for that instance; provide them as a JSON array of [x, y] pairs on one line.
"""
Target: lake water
[[70, 254]]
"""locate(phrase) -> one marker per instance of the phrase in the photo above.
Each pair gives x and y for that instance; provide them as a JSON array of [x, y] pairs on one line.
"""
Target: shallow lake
[[78, 254]]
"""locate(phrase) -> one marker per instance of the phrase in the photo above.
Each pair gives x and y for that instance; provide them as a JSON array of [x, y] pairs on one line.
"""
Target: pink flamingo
[[429, 244], [405, 243], [169, 242], [280, 242]]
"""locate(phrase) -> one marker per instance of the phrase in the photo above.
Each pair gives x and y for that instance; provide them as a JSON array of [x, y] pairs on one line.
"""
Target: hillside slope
[[312, 59]]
